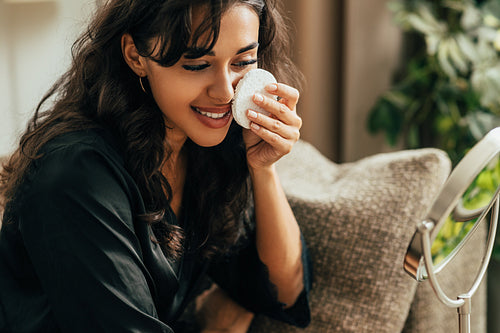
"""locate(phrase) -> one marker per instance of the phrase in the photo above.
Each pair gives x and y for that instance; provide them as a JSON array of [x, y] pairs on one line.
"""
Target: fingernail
[[272, 87], [252, 114], [258, 98], [255, 126]]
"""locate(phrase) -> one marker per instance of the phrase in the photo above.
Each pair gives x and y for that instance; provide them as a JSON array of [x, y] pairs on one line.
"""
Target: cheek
[[172, 92]]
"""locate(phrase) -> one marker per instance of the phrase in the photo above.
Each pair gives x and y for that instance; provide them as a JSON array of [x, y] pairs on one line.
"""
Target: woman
[[135, 183]]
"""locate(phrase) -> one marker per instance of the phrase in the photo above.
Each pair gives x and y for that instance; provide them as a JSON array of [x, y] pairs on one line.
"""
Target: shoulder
[[79, 173], [77, 160], [73, 143]]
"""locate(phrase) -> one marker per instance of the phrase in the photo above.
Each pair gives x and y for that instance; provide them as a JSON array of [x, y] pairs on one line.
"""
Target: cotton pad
[[253, 82]]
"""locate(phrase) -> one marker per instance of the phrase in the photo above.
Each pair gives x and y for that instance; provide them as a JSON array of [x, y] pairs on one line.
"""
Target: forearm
[[277, 235], [217, 312]]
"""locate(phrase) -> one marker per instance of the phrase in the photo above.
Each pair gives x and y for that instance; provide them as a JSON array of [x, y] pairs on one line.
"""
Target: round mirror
[[471, 208], [463, 203]]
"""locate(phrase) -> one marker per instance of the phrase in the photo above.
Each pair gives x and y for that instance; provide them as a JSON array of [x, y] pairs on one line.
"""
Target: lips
[[213, 117], [212, 112]]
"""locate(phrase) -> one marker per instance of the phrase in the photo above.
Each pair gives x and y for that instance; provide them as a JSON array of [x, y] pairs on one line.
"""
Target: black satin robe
[[74, 259]]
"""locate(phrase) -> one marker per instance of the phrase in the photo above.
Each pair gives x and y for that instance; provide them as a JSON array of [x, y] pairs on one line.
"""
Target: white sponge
[[253, 82]]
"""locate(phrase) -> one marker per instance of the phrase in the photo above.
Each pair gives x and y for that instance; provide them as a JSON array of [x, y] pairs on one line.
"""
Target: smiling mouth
[[212, 115]]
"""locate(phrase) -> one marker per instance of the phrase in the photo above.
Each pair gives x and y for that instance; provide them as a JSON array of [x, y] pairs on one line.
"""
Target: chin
[[209, 140]]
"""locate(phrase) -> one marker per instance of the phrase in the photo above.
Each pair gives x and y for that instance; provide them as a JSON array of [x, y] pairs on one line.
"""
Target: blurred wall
[[348, 51], [318, 49], [7, 120], [35, 41], [371, 53]]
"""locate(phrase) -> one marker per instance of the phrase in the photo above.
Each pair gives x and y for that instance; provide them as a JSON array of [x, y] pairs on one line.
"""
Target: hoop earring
[[142, 85]]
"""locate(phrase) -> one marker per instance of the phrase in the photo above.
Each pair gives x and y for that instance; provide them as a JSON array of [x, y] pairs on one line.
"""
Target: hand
[[271, 137], [218, 313]]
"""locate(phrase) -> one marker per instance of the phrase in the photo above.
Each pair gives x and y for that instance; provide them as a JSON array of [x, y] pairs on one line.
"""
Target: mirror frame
[[453, 189]]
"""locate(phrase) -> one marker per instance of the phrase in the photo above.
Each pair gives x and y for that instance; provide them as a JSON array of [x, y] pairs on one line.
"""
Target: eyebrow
[[248, 47], [196, 52]]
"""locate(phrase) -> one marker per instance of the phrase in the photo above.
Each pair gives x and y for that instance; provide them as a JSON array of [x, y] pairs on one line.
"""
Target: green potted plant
[[448, 93]]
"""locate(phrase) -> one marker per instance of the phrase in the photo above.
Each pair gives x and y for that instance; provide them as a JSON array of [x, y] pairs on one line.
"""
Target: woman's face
[[195, 94]]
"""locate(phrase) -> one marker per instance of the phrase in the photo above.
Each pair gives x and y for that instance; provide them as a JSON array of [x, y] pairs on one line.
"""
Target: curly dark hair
[[100, 91]]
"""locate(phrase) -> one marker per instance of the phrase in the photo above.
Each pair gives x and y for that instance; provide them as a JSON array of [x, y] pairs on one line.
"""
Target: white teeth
[[211, 115]]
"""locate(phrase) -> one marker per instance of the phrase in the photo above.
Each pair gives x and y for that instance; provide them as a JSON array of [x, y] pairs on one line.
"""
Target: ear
[[132, 57]]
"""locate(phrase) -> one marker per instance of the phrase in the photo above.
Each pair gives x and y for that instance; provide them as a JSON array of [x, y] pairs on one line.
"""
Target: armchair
[[358, 219]]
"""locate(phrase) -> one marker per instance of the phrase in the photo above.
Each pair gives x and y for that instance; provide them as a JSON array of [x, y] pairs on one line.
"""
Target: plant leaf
[[481, 122]]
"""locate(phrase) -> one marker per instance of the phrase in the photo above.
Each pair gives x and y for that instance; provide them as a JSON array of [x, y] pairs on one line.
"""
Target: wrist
[[262, 172]]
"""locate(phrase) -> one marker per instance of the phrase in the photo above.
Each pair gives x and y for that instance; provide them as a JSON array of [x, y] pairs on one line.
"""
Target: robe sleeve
[[246, 280], [77, 225]]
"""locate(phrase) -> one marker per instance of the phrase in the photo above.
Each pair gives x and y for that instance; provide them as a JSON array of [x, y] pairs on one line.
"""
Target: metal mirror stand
[[449, 206], [463, 302]]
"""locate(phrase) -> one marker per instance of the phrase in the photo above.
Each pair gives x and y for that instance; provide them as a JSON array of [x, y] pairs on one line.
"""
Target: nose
[[222, 89]]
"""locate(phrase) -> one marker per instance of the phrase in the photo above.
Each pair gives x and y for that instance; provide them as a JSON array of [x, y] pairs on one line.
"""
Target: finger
[[280, 110], [274, 125], [281, 145], [289, 95]]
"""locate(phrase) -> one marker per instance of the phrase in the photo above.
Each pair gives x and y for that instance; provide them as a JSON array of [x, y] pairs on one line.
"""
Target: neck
[[176, 139], [175, 163], [174, 169]]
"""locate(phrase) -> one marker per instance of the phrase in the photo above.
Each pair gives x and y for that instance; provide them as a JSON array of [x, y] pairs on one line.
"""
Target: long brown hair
[[100, 91]]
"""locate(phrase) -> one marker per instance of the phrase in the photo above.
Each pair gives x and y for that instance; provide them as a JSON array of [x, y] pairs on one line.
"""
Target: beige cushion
[[358, 220]]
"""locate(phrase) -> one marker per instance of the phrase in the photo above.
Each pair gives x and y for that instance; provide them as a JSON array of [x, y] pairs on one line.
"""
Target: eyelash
[[195, 68], [246, 63]]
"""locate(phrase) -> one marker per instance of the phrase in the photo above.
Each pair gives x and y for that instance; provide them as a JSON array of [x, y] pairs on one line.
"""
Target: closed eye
[[195, 68], [245, 63]]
